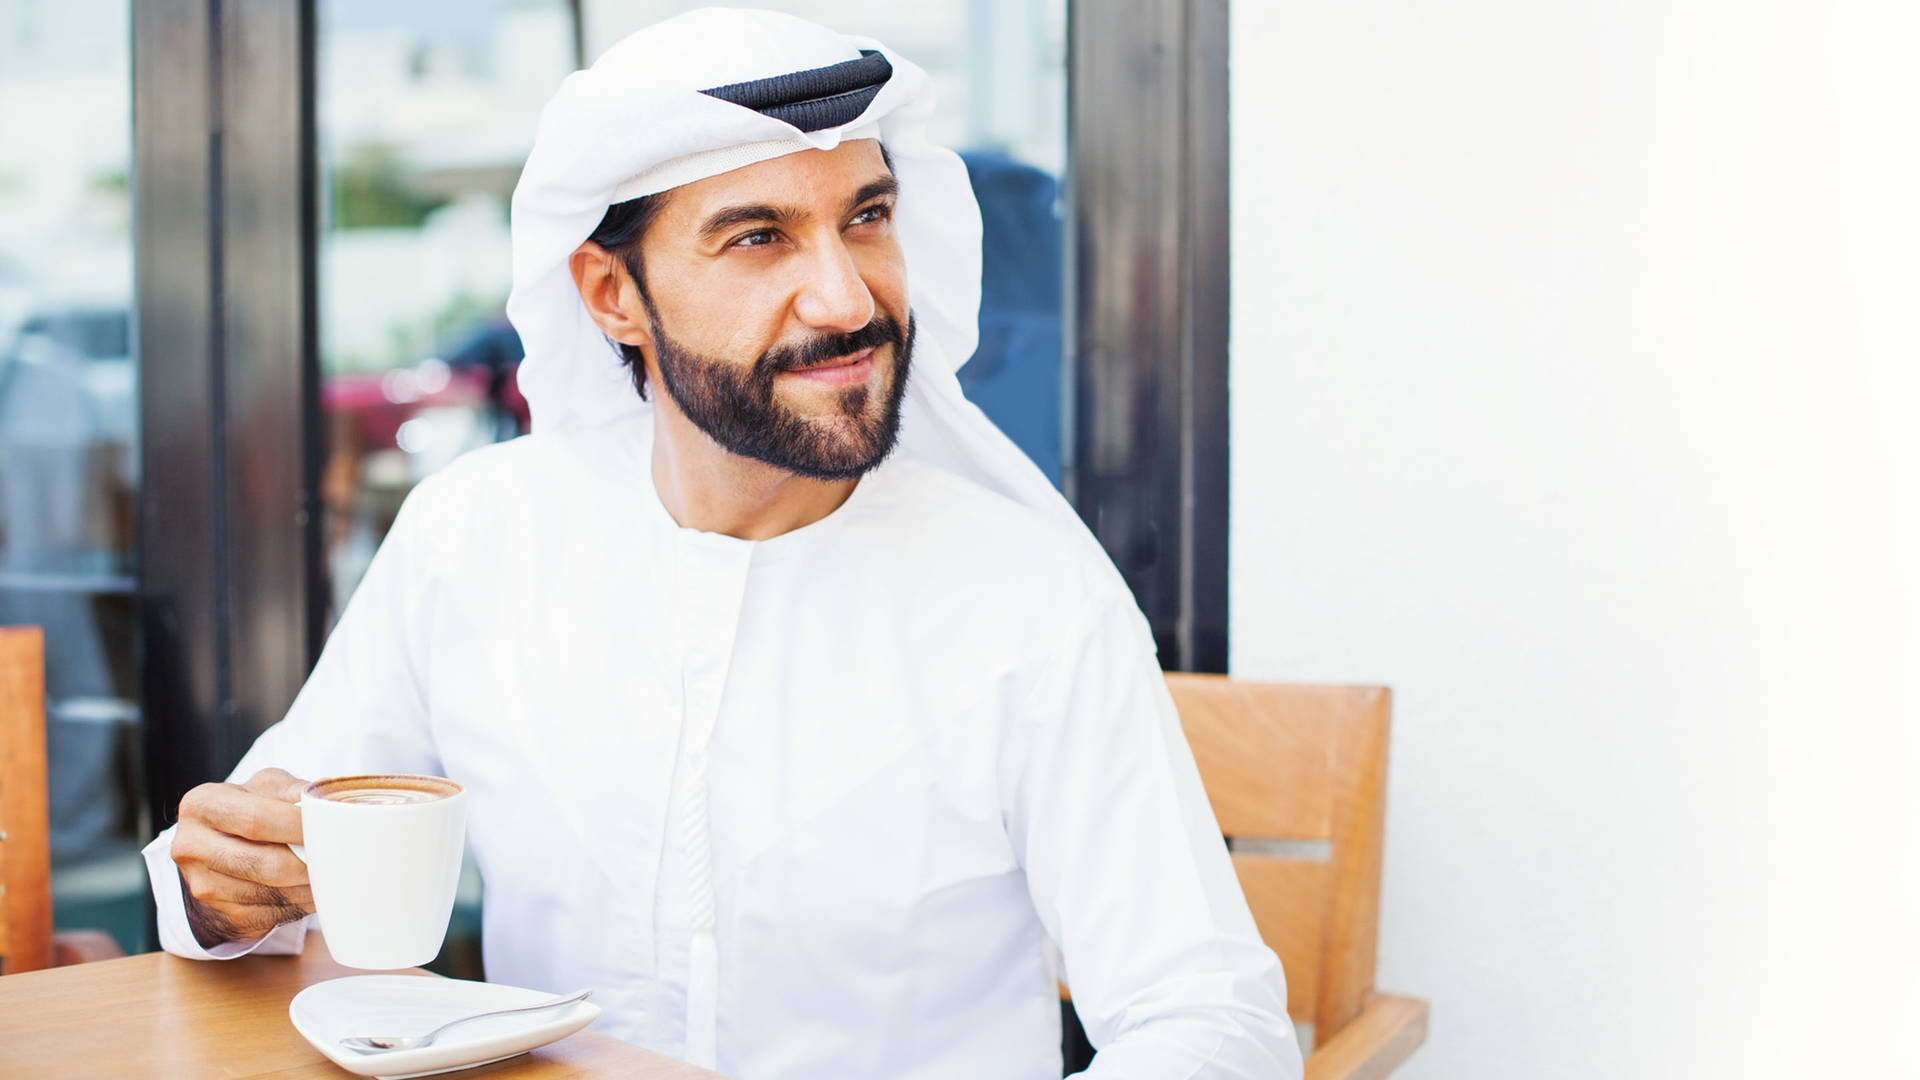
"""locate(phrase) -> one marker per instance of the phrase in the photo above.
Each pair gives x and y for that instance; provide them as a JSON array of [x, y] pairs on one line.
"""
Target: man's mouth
[[840, 371]]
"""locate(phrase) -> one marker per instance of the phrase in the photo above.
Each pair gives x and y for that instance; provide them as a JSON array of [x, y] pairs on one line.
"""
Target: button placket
[[714, 583]]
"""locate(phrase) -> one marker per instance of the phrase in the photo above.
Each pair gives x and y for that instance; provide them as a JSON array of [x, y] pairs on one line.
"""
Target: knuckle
[[266, 778], [205, 803], [194, 803], [197, 887], [194, 845]]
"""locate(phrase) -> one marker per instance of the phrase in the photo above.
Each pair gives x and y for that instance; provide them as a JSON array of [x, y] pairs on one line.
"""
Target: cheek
[[725, 316], [886, 276]]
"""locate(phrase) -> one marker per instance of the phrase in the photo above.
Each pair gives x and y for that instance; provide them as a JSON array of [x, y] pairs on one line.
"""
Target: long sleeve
[[363, 709], [1130, 876]]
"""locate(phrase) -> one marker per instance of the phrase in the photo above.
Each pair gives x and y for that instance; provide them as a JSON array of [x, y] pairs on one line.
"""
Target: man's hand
[[237, 876]]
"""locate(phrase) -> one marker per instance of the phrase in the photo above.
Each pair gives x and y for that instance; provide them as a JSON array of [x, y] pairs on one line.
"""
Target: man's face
[[779, 318]]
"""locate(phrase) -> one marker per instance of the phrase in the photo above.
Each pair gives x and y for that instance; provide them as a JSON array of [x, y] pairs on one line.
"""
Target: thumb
[[277, 784]]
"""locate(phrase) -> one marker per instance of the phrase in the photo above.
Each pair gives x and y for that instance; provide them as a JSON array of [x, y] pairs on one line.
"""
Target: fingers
[[237, 876], [222, 891], [277, 784], [215, 918], [224, 907], [271, 865], [244, 813]]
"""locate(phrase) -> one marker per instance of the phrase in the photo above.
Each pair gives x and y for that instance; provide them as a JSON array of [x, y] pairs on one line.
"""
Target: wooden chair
[[1297, 778], [27, 940]]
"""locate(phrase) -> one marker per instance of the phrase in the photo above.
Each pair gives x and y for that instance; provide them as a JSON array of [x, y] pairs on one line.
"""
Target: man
[[796, 710]]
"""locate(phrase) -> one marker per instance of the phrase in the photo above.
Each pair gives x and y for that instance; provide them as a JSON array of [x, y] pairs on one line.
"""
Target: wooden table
[[163, 1017]]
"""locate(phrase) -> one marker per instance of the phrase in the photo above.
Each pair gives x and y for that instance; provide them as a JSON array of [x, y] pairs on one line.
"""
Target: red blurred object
[[379, 402]]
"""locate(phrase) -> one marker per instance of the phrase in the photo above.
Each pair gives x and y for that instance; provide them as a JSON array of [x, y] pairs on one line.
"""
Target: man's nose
[[834, 297]]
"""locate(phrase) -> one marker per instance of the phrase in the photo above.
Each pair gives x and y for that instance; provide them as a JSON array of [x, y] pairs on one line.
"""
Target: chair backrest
[[26, 897], [1297, 778]]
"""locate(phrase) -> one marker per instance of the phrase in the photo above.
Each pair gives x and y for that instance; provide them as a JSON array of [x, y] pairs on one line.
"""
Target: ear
[[612, 298]]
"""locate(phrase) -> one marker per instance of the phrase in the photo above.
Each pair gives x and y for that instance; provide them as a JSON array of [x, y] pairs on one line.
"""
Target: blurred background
[[1551, 363]]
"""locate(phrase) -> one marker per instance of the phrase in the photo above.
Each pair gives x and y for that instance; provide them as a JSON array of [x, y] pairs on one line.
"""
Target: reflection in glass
[[1014, 375], [426, 112], [69, 434]]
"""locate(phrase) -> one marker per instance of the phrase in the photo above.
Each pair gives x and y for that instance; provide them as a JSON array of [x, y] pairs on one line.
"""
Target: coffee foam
[[384, 789], [382, 796]]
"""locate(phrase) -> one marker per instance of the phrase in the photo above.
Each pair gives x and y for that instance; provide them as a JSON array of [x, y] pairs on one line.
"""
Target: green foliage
[[369, 191], [111, 184]]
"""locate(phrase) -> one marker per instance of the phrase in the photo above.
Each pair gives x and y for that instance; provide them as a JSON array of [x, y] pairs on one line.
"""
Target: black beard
[[735, 407]]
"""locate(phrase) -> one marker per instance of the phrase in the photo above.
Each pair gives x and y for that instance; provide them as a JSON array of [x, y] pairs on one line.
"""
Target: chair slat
[[1300, 762], [26, 898], [1353, 931], [1289, 899], [1267, 764]]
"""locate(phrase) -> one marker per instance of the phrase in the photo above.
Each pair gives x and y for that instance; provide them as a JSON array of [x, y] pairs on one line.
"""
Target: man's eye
[[759, 238], [876, 212]]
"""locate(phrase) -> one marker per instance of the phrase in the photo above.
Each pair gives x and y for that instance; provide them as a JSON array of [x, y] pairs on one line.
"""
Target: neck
[[706, 487]]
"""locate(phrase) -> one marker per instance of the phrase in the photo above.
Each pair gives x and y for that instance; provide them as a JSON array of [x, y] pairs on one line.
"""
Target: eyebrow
[[726, 219], [722, 220], [884, 185]]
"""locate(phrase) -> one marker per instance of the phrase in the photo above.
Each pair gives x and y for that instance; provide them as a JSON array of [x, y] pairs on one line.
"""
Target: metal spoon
[[379, 1044]]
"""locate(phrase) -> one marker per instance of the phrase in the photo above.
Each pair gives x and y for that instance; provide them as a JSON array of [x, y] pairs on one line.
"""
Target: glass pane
[[426, 112], [1000, 68], [69, 462]]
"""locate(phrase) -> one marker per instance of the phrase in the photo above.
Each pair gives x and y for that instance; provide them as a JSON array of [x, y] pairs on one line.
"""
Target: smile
[[842, 371]]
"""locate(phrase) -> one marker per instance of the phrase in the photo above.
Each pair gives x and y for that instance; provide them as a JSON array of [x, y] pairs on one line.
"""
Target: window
[[69, 427]]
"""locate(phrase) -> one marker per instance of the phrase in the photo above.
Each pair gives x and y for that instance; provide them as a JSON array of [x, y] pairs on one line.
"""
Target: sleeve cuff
[[176, 934]]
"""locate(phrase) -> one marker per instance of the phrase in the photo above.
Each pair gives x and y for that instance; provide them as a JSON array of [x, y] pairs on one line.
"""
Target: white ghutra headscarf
[[638, 121]]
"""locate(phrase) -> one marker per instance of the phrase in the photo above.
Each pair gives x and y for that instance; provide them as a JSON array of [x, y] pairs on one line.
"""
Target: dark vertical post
[[177, 320], [1205, 450], [224, 225], [1147, 453], [312, 419], [266, 224], [575, 7]]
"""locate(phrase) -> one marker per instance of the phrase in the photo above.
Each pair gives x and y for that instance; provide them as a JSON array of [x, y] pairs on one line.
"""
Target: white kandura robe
[[798, 808]]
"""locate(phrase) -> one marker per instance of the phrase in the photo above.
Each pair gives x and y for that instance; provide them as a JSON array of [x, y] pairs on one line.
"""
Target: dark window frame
[[1148, 444], [225, 321]]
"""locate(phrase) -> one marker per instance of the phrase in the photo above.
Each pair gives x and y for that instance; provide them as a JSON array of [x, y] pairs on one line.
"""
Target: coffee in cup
[[385, 790]]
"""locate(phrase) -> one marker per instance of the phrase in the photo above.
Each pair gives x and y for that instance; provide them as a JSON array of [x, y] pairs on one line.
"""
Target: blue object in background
[[1014, 375]]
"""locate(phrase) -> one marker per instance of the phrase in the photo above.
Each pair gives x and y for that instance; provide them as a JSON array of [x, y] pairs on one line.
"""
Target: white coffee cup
[[383, 854]]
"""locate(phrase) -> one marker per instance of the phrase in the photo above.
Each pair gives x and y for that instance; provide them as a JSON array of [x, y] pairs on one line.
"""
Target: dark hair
[[620, 231]]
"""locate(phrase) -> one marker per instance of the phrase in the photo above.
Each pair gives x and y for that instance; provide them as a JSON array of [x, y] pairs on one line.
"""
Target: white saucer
[[324, 1013]]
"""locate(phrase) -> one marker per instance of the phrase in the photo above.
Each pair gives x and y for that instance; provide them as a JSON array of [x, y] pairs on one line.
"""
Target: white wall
[[1573, 397]]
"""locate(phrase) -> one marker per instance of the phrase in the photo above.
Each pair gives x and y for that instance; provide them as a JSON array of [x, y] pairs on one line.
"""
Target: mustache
[[881, 330]]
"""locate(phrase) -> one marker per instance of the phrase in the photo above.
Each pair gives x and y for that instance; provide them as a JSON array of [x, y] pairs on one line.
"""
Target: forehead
[[797, 179]]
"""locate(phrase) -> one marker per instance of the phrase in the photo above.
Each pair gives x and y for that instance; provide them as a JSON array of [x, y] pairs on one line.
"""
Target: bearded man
[[796, 711]]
